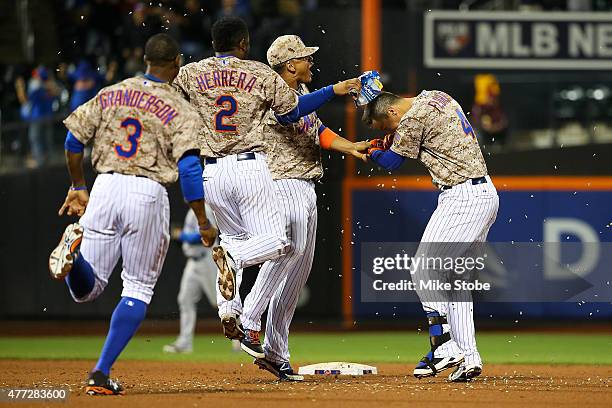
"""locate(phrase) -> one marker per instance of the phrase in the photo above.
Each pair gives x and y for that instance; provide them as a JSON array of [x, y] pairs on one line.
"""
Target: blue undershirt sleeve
[[307, 104], [190, 174], [190, 237], [72, 144], [388, 160]]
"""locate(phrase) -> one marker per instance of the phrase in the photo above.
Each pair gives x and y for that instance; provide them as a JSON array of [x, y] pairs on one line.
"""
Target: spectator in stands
[[138, 27], [195, 32], [237, 8], [487, 113], [274, 18], [37, 106], [86, 82]]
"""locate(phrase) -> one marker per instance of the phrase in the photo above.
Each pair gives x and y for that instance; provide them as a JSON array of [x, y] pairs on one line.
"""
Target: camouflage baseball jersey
[[233, 97], [139, 127], [436, 132], [294, 149]]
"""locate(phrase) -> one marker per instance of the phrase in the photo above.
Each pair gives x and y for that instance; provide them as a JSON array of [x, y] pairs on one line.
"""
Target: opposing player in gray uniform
[[199, 276], [141, 130], [294, 159], [233, 96], [433, 129]]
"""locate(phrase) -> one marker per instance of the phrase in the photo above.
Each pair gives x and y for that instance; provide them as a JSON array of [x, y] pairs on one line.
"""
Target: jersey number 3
[[229, 108], [465, 124], [134, 129]]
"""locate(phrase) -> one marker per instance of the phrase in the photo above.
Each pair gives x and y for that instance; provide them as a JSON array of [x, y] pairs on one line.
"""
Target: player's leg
[[294, 205], [285, 299], [259, 214], [219, 189], [35, 136], [93, 245], [144, 221], [462, 217], [188, 297], [230, 310], [444, 351], [484, 203]]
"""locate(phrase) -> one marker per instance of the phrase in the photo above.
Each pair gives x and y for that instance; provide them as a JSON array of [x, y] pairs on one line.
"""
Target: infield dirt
[[187, 384]]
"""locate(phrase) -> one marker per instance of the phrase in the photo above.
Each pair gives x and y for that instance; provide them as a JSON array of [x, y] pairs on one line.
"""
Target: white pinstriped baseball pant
[[464, 214], [241, 194], [280, 281], [127, 217], [299, 201]]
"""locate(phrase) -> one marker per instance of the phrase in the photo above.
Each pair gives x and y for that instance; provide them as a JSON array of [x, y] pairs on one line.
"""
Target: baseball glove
[[381, 144]]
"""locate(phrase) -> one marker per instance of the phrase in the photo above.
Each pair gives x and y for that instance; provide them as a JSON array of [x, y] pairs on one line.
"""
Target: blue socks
[[126, 319], [81, 279], [436, 329]]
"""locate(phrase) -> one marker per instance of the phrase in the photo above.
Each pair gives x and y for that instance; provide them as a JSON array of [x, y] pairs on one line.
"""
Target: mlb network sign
[[518, 40]]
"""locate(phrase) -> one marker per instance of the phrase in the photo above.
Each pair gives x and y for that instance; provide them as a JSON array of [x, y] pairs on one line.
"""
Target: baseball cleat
[[99, 383], [251, 345], [231, 328], [63, 256], [428, 367], [283, 371], [227, 272], [175, 349], [465, 373]]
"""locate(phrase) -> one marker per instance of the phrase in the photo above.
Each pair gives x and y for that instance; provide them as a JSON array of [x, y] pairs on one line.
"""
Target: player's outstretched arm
[[349, 86], [190, 175], [77, 196], [312, 101], [387, 159], [330, 140]]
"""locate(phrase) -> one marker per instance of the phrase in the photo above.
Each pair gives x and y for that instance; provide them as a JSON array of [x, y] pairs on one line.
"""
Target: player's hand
[[362, 146], [75, 203], [360, 150], [208, 234], [383, 144], [352, 86]]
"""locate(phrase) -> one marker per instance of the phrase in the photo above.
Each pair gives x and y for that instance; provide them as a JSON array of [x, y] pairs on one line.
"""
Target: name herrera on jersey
[[141, 100], [226, 78]]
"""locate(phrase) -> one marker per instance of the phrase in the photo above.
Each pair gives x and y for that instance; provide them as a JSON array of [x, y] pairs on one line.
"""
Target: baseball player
[[294, 159], [140, 129], [199, 276], [433, 129], [233, 96]]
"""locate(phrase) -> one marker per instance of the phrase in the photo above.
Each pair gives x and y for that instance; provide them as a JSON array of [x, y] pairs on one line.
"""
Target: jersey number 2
[[229, 108], [134, 129], [465, 124]]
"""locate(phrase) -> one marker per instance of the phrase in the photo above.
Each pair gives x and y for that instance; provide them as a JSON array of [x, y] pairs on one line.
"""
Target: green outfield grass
[[388, 347]]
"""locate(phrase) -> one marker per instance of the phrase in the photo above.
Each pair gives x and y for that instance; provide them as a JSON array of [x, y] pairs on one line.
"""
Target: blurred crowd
[[101, 41], [97, 42]]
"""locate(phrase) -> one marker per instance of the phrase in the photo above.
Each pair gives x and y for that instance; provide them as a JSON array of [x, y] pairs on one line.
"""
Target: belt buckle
[[479, 180], [245, 156]]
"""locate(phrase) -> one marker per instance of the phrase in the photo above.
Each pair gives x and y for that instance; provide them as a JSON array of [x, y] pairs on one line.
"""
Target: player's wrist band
[[206, 225], [77, 188]]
